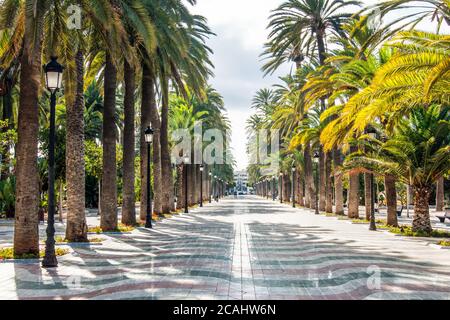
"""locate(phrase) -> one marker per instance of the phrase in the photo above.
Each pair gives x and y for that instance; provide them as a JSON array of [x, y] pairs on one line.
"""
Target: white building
[[241, 180]]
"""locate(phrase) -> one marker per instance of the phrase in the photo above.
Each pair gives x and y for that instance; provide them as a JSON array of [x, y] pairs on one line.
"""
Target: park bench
[[445, 216]]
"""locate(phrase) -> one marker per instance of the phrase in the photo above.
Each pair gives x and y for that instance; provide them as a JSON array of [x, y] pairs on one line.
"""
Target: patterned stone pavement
[[244, 248]]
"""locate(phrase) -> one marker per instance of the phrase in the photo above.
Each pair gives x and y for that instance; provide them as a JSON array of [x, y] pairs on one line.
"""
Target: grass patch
[[408, 232], [120, 229], [444, 243], [8, 254], [364, 221], [60, 239]]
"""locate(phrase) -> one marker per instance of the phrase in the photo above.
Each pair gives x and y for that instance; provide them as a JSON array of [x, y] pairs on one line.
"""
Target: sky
[[241, 31]]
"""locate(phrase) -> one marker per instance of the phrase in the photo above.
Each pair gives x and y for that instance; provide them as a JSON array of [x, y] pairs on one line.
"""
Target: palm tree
[[26, 236], [416, 12], [417, 153]]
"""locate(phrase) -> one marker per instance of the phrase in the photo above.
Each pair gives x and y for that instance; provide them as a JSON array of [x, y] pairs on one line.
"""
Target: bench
[[445, 216]]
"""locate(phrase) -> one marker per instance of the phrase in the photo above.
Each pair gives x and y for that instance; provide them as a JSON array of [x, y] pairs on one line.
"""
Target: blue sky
[[241, 31]]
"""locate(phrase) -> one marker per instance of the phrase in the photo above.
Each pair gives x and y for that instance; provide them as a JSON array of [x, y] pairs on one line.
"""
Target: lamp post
[[281, 188], [185, 164], [267, 189], [202, 168], [273, 188], [148, 135], [216, 194], [316, 160], [293, 186], [210, 187], [373, 225], [53, 77]]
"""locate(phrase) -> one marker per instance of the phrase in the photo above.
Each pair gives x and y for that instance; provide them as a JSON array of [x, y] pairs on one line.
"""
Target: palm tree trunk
[[286, 189], [180, 190], [149, 116], [322, 182], [76, 230], [166, 166], [129, 201], [147, 94], [391, 200], [309, 179], [323, 165], [8, 117], [60, 203], [26, 234], [108, 220], [368, 195], [329, 183], [353, 196], [440, 195], [300, 189], [338, 183], [156, 161], [192, 184], [421, 222]]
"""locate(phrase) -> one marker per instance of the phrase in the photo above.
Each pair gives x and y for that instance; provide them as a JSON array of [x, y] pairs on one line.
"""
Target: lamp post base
[[148, 225], [50, 261]]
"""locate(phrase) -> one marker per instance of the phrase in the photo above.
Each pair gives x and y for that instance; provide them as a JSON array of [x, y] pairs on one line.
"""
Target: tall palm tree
[[26, 236]]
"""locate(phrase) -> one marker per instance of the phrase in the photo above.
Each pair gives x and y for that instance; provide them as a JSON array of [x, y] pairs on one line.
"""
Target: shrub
[[8, 254]]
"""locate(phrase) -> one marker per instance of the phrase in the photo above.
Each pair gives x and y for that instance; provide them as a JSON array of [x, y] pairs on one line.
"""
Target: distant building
[[241, 181]]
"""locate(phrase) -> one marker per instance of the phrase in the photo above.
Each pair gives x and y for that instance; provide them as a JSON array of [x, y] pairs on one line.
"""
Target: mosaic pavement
[[244, 248]]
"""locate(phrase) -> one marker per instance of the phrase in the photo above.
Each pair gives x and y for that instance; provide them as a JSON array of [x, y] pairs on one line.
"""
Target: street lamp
[[53, 78], [202, 168], [210, 187], [293, 185], [316, 160], [281, 187], [372, 133], [273, 188], [216, 194], [186, 159], [148, 135]]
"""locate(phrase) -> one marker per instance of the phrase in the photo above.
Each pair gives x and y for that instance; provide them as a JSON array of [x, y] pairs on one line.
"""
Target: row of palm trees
[[370, 99], [153, 53]]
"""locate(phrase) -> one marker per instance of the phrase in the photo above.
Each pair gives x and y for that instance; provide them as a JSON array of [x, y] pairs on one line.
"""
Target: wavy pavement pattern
[[201, 256]]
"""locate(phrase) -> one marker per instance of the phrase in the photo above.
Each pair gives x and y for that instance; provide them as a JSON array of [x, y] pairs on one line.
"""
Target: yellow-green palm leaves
[[417, 75]]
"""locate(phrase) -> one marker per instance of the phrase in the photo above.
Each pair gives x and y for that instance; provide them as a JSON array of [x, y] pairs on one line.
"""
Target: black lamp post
[[267, 188], [148, 134], [281, 188], [373, 225], [210, 187], [202, 168], [273, 189], [53, 77], [316, 160], [186, 162], [293, 186], [216, 192]]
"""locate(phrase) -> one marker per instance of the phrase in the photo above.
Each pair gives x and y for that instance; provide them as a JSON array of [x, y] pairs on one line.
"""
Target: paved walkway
[[239, 249]]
